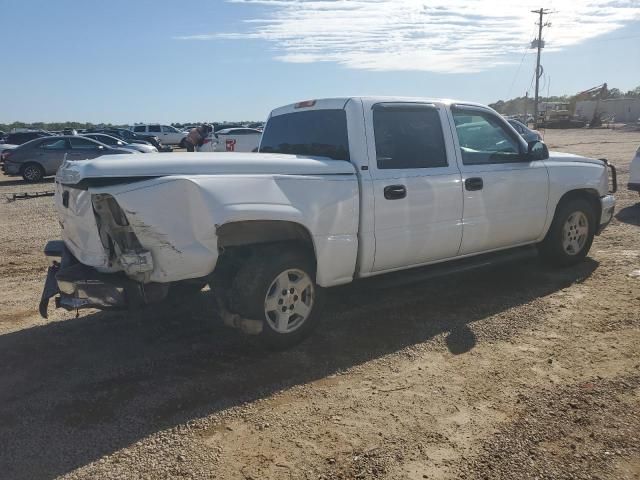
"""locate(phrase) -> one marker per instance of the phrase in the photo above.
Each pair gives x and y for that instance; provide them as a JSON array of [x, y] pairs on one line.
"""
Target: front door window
[[484, 138]]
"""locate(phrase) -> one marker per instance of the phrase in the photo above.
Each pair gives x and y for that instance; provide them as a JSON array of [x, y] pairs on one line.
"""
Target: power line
[[515, 77]]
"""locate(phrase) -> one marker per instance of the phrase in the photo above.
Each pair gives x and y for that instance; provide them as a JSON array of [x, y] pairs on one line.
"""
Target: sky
[[126, 61]]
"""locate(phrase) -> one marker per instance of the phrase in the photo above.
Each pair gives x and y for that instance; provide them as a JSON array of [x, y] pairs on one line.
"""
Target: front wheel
[[571, 233], [276, 285]]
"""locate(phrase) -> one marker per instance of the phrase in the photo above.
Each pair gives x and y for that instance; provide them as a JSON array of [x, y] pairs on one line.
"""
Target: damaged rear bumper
[[76, 286]]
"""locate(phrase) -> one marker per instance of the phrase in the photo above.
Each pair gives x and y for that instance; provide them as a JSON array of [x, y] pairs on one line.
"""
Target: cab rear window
[[313, 132]]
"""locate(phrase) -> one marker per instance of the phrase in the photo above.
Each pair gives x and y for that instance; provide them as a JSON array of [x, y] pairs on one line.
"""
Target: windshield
[[315, 132]]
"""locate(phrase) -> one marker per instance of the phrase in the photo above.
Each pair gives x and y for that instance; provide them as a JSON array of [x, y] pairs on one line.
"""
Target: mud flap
[[50, 289]]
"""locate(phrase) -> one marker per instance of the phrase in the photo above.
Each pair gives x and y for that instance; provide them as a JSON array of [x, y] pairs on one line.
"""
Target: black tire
[[254, 281], [553, 249], [32, 172], [183, 143]]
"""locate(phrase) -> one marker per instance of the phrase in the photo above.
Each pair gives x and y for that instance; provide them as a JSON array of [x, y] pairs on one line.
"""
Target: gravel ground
[[520, 371]]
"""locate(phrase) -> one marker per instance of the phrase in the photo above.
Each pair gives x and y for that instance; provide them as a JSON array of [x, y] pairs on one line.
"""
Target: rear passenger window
[[313, 132], [154, 128], [408, 137], [139, 129], [83, 144], [60, 144]]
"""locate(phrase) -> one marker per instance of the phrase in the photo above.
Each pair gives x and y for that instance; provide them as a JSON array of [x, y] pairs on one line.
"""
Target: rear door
[[156, 130], [51, 154], [416, 186], [505, 195]]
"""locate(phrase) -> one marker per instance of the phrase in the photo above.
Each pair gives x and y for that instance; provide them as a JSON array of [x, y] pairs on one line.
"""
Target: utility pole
[[540, 45]]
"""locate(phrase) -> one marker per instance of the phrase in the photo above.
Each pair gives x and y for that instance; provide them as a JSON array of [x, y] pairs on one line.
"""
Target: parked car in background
[[226, 126], [42, 157], [18, 138], [131, 137], [118, 143], [166, 133], [232, 140], [634, 173], [69, 131], [528, 134]]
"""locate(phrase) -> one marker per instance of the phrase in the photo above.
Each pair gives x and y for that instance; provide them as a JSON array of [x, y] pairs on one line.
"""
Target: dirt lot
[[521, 371]]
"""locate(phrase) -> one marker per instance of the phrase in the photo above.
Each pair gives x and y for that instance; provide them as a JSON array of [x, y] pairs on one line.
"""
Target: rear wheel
[[571, 233], [276, 285], [32, 173]]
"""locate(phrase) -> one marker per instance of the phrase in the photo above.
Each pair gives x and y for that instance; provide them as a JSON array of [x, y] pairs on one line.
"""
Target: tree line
[[57, 126], [53, 126]]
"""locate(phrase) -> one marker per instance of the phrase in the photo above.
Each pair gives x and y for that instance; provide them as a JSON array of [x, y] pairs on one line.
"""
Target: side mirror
[[537, 150]]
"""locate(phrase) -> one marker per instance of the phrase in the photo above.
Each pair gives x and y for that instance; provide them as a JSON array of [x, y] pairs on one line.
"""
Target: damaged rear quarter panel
[[170, 220], [176, 217]]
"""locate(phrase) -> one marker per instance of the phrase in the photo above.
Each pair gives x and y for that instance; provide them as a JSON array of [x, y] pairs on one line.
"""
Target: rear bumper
[[76, 286], [608, 206], [10, 168]]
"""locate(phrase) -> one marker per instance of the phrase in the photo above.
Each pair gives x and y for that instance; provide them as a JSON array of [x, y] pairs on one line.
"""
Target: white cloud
[[438, 35]]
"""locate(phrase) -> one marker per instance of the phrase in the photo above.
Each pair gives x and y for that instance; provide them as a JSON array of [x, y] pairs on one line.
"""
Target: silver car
[[117, 143], [41, 157]]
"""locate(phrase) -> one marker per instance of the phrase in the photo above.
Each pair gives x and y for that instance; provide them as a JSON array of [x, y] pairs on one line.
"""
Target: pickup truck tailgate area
[[78, 222]]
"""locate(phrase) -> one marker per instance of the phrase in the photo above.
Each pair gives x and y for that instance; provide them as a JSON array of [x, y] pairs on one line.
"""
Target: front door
[[417, 186], [505, 195], [84, 149]]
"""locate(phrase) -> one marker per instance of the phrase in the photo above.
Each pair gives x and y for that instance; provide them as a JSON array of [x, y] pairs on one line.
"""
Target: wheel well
[[239, 241], [591, 195], [254, 232], [26, 164]]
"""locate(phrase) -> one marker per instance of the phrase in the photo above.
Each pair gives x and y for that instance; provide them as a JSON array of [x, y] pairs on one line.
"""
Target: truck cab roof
[[341, 102]]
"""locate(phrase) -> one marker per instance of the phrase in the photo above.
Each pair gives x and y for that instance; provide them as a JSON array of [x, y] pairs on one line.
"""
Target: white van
[[167, 134]]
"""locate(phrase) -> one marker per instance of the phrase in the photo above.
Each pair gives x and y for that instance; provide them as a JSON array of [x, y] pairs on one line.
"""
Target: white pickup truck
[[343, 189]]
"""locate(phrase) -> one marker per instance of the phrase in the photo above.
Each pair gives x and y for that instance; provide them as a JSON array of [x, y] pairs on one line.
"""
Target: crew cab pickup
[[342, 189]]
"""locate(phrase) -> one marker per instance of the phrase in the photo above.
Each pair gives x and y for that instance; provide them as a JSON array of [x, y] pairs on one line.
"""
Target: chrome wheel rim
[[575, 233], [289, 301], [31, 173]]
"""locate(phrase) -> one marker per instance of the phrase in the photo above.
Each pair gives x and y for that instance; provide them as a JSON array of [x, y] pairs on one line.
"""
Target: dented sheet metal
[[175, 216]]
